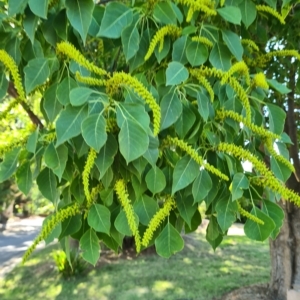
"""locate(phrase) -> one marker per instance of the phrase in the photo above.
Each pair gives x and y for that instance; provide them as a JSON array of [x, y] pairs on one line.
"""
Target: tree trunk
[[285, 251]]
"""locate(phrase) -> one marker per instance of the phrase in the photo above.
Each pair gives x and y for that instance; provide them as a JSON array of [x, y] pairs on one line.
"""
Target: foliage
[[75, 267], [147, 109]]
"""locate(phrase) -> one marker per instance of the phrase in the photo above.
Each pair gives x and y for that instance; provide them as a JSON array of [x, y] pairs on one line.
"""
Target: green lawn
[[195, 273]]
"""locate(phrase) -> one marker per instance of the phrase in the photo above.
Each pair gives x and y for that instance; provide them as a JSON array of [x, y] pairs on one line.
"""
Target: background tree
[[146, 110], [285, 255]]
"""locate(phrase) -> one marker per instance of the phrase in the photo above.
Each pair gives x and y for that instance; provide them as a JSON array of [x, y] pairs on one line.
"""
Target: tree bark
[[285, 250], [285, 253]]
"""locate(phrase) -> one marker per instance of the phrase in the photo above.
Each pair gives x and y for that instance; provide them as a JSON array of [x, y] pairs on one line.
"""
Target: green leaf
[[133, 141], [233, 43], [135, 113], [80, 15], [185, 121], [176, 73], [186, 208], [121, 223], [276, 118], [116, 17], [212, 230], [275, 212], [201, 186], [138, 60], [64, 89], [160, 55], [51, 104], [185, 172], [109, 242], [203, 105], [140, 165], [216, 242], [13, 49], [9, 164], [226, 213], [30, 23], [171, 109], [89, 244], [130, 41], [94, 131], [36, 73], [168, 242], [133, 138], [53, 64], [56, 159], [179, 49], [80, 146], [231, 14], [70, 226], [24, 178], [273, 3], [68, 124], [155, 180], [96, 20], [95, 107], [195, 223], [177, 12], [196, 54], [77, 189], [138, 185], [80, 95], [248, 11], [220, 57], [151, 155], [33, 50], [16, 6], [3, 85], [145, 208], [32, 141], [39, 7], [107, 196], [257, 231], [47, 184], [280, 170], [239, 183], [164, 13], [99, 218], [106, 155], [107, 178], [279, 87]]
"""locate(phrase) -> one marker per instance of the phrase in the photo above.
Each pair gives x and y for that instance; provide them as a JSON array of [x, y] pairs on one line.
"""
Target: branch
[[33, 117]]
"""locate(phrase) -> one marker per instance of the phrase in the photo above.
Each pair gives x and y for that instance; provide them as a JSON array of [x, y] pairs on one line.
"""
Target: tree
[[146, 110], [285, 249]]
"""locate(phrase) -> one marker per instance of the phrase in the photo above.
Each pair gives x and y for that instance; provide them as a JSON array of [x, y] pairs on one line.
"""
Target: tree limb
[[33, 117]]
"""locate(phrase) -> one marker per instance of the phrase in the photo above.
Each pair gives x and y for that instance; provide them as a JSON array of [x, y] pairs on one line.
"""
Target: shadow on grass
[[197, 272]]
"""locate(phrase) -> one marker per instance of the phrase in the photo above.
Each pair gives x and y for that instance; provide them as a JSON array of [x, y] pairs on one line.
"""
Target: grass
[[197, 272]]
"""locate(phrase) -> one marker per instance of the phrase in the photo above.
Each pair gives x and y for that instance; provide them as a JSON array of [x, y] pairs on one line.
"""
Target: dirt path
[[14, 241]]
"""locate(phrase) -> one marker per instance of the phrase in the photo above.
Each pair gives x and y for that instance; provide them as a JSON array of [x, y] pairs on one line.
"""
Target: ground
[[253, 292], [15, 240], [25, 230]]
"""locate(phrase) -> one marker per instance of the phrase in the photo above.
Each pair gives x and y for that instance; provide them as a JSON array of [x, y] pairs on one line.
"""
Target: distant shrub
[[68, 269]]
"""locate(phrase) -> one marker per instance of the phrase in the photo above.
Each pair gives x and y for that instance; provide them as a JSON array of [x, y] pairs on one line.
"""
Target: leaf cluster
[[132, 92]]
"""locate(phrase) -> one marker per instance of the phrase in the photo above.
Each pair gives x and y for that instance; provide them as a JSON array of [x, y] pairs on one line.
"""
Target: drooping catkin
[[53, 221], [123, 197], [157, 219]]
